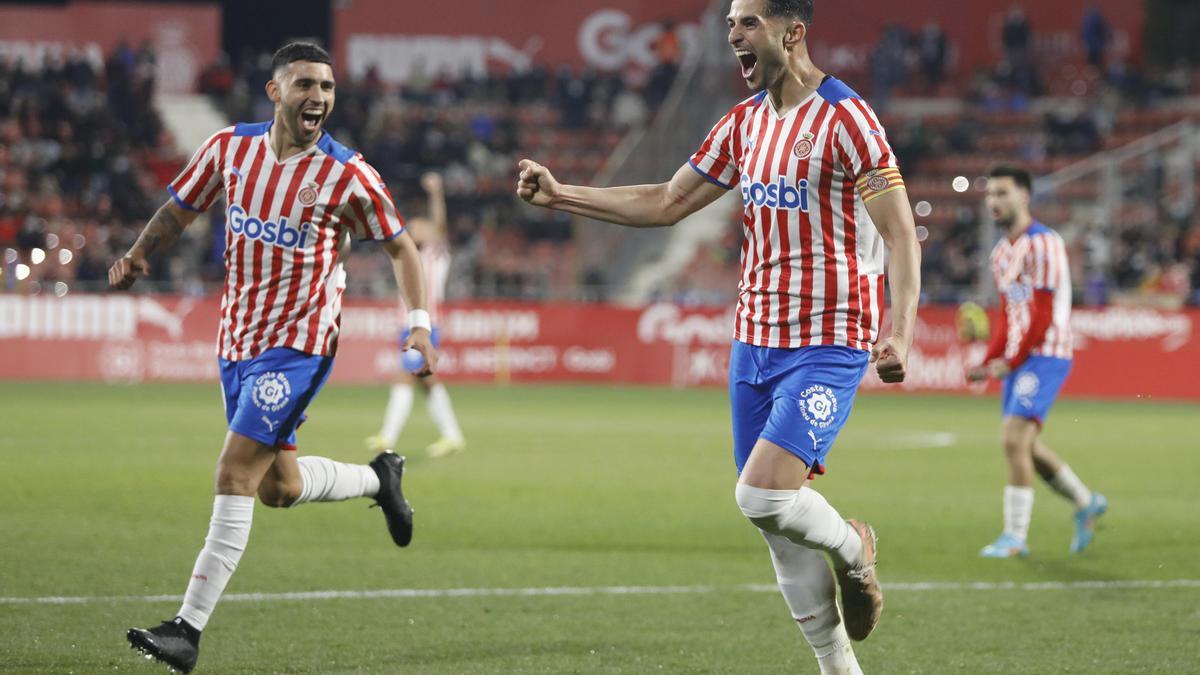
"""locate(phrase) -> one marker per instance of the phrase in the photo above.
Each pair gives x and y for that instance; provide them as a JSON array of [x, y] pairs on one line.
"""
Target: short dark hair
[[798, 9], [1020, 176], [299, 51]]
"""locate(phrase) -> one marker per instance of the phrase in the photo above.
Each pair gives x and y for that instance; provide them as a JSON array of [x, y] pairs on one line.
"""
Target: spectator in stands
[[889, 65], [932, 50], [1096, 36], [1016, 35]]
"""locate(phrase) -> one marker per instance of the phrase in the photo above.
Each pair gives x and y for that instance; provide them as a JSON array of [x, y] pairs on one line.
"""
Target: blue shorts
[[265, 397], [412, 360], [798, 398], [1030, 390]]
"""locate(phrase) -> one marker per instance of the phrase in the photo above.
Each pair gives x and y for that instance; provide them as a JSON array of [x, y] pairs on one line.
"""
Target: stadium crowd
[[84, 156]]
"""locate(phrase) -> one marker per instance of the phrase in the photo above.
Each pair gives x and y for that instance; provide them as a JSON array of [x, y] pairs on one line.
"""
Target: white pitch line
[[915, 586]]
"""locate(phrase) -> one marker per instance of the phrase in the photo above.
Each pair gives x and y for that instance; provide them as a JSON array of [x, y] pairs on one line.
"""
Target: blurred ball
[[922, 233], [923, 209], [972, 323], [412, 360], [960, 184]]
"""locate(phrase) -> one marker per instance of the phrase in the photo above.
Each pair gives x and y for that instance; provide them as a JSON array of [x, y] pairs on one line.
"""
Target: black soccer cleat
[[390, 468], [175, 643]]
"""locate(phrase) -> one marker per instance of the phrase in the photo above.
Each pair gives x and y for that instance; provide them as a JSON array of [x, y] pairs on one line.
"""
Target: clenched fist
[[891, 360], [536, 184], [126, 270]]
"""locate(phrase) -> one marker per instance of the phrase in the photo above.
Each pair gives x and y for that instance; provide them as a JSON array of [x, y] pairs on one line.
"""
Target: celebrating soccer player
[[1030, 351], [293, 192], [823, 197]]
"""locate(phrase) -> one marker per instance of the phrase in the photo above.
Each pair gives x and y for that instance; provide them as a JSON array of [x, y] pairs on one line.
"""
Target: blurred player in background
[[431, 234], [293, 193], [1030, 351], [822, 196]]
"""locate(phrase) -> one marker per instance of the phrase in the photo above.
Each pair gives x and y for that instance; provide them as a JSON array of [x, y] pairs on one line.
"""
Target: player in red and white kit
[[293, 194], [1030, 352], [823, 198], [433, 240]]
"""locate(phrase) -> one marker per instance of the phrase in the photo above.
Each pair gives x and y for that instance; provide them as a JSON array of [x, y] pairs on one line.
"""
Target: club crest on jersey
[[778, 195], [271, 391], [307, 195], [876, 182], [818, 404], [268, 232], [804, 147]]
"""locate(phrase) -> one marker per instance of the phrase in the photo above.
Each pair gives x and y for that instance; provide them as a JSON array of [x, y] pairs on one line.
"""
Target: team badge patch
[[1026, 385], [271, 391], [819, 406], [804, 146], [308, 194], [877, 182]]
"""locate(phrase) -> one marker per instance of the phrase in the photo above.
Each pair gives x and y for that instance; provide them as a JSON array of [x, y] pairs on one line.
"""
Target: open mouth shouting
[[748, 61], [311, 118]]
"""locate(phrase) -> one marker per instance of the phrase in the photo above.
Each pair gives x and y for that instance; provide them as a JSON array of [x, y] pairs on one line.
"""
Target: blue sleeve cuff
[[395, 234], [182, 204], [709, 178]]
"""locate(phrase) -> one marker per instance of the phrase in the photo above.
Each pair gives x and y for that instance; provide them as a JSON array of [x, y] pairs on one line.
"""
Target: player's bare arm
[[160, 234], [406, 266], [435, 191], [660, 205], [893, 217]]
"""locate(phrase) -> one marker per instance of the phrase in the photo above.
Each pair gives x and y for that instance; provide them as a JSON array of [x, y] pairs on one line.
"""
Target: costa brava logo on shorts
[[1026, 385], [269, 231], [818, 404], [271, 391]]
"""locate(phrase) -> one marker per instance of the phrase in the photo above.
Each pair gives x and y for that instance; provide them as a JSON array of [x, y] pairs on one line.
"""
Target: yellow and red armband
[[878, 182]]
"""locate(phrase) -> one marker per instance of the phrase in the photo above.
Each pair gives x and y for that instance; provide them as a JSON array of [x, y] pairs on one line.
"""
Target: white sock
[[804, 517], [399, 405], [228, 533], [328, 481], [809, 590], [1018, 509], [442, 413], [1067, 484]]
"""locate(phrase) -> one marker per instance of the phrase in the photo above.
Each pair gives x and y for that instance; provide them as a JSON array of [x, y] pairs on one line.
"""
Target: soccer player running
[[822, 197], [1030, 351], [432, 238], [293, 192]]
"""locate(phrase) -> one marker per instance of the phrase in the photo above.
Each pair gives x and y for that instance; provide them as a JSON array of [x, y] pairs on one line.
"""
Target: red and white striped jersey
[[283, 224], [1036, 260], [812, 262]]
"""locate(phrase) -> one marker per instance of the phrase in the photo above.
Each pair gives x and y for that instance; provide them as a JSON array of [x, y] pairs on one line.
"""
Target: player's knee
[[764, 508], [279, 495], [1012, 444], [231, 481]]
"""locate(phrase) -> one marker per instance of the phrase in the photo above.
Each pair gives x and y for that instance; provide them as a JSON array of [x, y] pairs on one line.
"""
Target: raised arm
[[406, 266], [435, 191], [660, 205], [160, 233], [893, 217]]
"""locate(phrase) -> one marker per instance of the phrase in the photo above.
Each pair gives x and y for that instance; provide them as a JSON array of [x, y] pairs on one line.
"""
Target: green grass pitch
[[105, 493]]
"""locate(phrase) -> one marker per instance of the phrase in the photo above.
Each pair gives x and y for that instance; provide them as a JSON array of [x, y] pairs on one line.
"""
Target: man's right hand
[[536, 184], [977, 373], [126, 270]]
